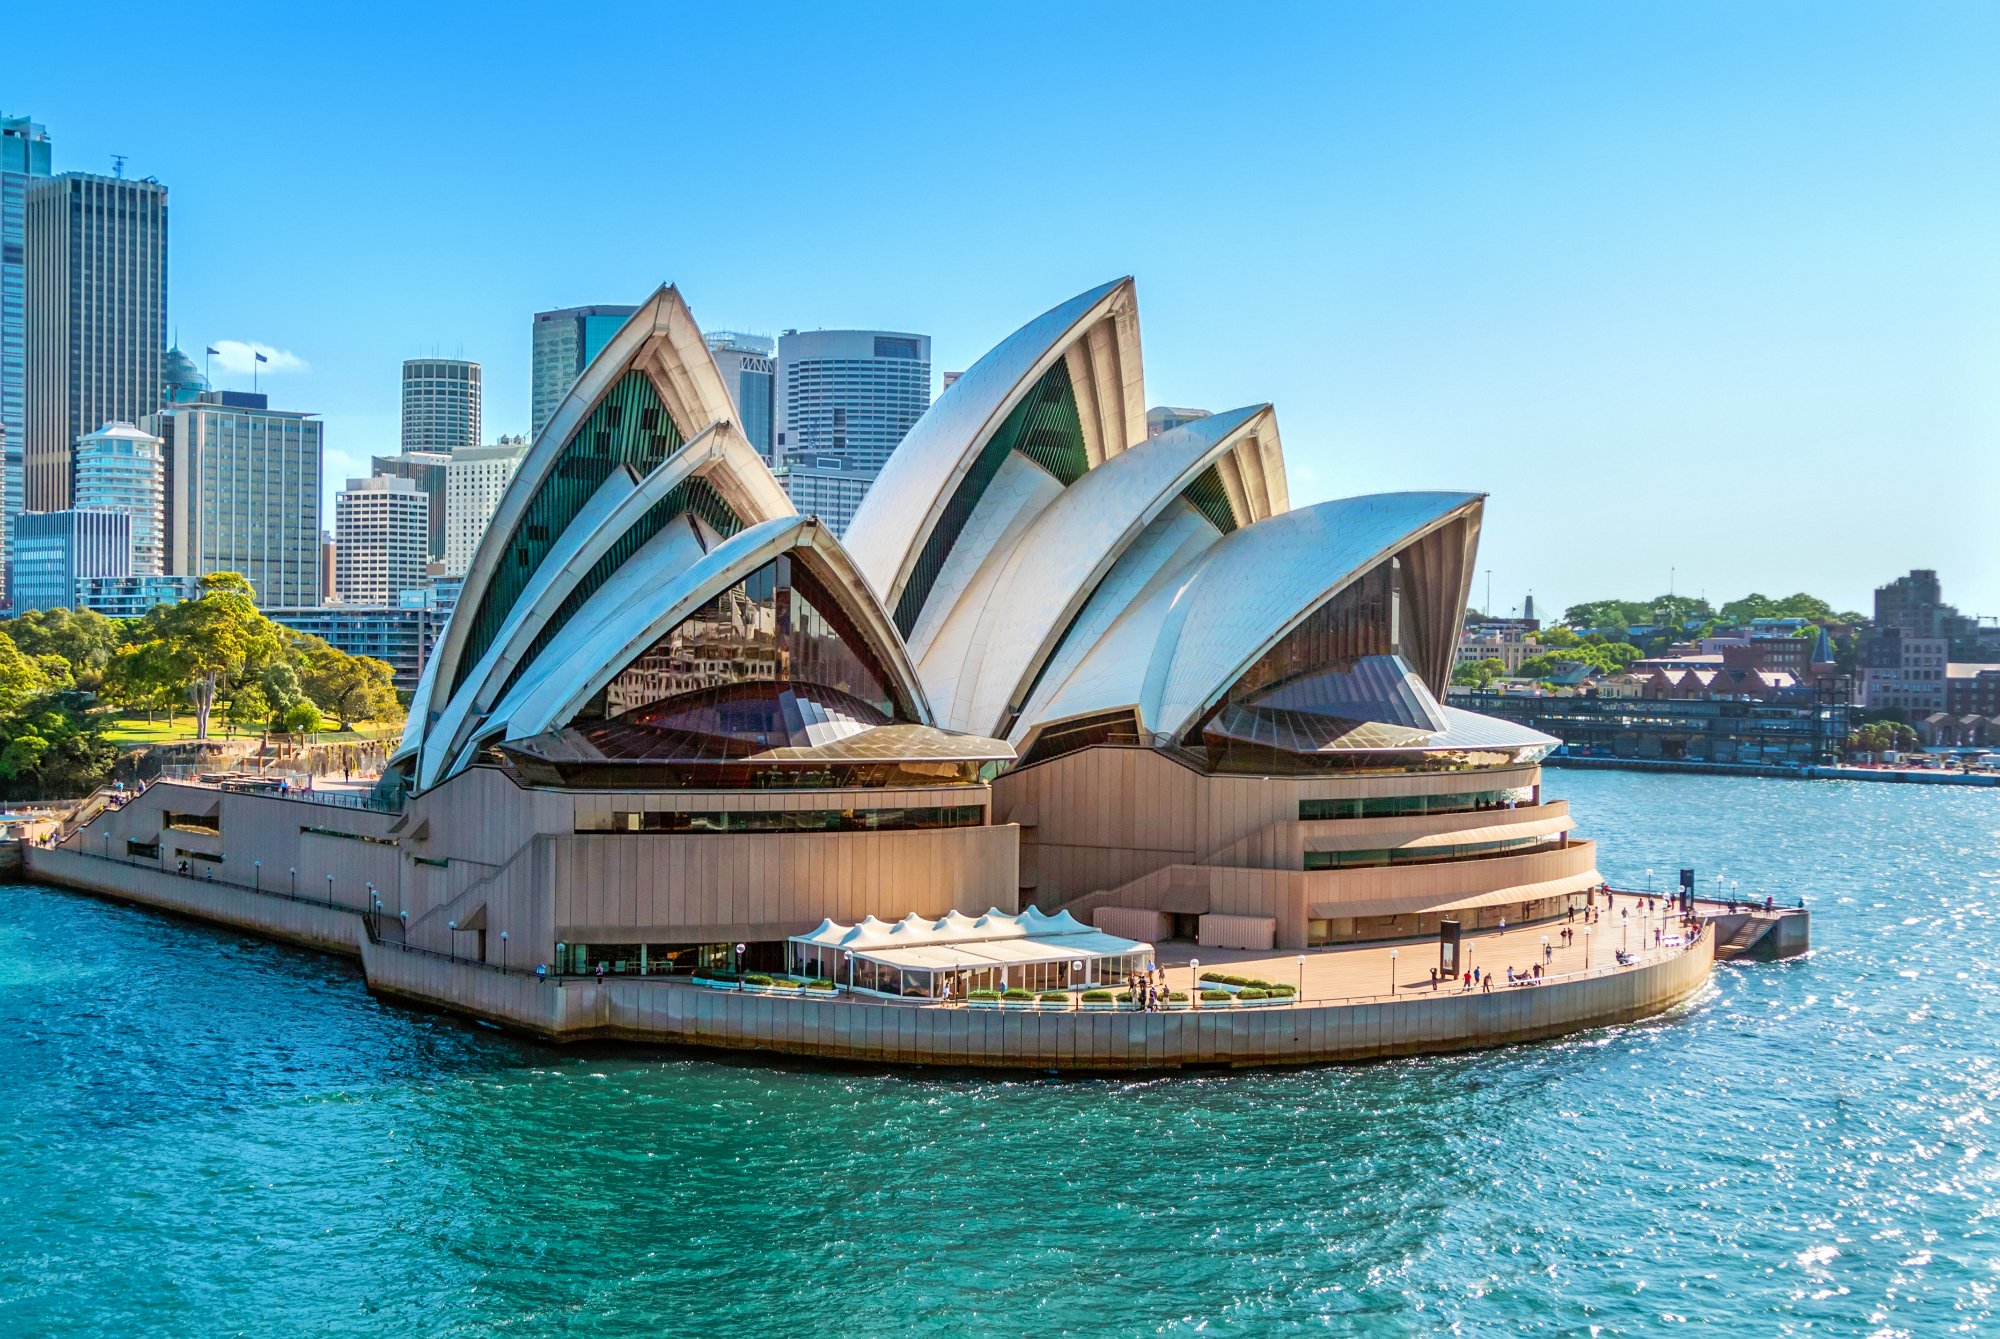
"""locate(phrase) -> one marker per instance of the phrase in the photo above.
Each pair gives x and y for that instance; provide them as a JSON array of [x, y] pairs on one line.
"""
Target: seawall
[[671, 1011]]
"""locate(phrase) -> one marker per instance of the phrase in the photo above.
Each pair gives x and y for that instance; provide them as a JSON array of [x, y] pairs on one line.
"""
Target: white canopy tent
[[915, 957]]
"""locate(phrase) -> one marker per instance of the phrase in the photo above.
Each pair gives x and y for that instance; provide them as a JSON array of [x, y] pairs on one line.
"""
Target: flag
[[214, 352], [262, 359]]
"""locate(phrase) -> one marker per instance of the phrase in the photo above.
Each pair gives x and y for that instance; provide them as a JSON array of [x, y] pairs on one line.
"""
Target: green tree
[[1479, 673], [84, 639], [301, 718], [351, 688], [22, 678], [216, 641]]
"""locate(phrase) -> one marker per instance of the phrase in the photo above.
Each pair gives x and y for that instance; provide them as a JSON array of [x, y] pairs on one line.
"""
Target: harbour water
[[204, 1134]]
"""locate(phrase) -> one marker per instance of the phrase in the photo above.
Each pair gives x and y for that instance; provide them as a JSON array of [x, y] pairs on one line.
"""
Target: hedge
[[1016, 993], [984, 995], [1053, 997], [1097, 997]]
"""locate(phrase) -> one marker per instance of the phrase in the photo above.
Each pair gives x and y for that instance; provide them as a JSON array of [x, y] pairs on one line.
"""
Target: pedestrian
[[1468, 982], [600, 971], [1434, 978], [1487, 985]]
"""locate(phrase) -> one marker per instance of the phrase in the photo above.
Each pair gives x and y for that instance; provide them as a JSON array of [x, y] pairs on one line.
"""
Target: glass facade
[[1429, 855], [1402, 806], [629, 427], [776, 626], [781, 820]]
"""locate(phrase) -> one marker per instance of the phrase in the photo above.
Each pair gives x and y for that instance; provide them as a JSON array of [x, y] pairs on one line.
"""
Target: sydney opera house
[[1061, 684]]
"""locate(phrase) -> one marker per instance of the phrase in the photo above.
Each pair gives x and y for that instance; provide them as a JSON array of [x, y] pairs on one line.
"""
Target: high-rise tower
[[846, 398], [441, 404], [25, 155], [565, 342], [751, 372], [96, 265]]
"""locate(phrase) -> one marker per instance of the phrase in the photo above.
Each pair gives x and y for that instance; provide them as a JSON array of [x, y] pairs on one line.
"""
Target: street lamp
[[1625, 930], [1194, 983], [329, 890], [503, 950], [1302, 978], [453, 926], [1649, 880], [1586, 948], [295, 881], [560, 946], [1392, 970], [739, 966], [256, 876], [847, 956]]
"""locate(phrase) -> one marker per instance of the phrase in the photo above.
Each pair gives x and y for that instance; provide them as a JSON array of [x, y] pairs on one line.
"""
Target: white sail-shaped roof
[[1095, 335]]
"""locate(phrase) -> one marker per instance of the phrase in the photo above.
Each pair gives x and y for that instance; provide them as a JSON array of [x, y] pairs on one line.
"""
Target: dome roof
[[178, 373]]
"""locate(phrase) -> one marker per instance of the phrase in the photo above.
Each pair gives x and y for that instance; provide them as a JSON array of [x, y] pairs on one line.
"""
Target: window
[[780, 820], [1428, 855], [193, 822]]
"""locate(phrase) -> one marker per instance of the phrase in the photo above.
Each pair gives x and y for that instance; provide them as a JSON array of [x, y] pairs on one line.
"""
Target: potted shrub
[[1099, 1001], [1252, 995], [1177, 999], [984, 999], [1211, 998], [1053, 999], [820, 986], [1016, 998]]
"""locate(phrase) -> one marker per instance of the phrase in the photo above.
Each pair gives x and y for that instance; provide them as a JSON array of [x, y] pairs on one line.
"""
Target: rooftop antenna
[[118, 165]]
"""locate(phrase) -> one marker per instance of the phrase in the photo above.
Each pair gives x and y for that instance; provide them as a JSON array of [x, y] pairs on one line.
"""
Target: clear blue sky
[[1713, 287]]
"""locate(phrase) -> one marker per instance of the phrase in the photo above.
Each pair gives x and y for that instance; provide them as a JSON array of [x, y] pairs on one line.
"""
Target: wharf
[[1913, 776]]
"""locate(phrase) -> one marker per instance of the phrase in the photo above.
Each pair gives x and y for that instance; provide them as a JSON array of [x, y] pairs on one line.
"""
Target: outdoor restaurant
[[996, 951]]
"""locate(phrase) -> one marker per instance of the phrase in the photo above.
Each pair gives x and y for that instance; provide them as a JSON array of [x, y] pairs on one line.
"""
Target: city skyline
[[1681, 274]]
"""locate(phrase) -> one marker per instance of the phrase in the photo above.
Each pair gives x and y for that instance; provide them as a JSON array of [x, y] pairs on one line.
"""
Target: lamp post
[[453, 927], [847, 956], [739, 966], [1586, 948], [295, 880], [1649, 880], [1302, 978], [1392, 970], [1625, 930], [1194, 983], [329, 890], [107, 843], [560, 946], [256, 876], [503, 950], [1075, 971]]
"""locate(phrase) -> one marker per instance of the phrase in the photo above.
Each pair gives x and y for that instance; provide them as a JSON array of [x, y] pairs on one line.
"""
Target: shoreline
[[669, 1011], [1835, 772]]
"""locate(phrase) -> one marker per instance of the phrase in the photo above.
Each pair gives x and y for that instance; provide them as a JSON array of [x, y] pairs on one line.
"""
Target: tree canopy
[[213, 653]]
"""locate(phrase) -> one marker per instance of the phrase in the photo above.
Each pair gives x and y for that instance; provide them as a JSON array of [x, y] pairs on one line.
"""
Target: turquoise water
[[203, 1134]]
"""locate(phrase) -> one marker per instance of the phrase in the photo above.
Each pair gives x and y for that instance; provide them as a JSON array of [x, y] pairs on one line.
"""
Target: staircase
[[1744, 942]]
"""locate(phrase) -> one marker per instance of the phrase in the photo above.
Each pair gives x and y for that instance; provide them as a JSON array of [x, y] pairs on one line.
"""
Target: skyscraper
[[243, 492], [474, 483], [565, 342], [54, 550], [441, 404], [845, 399], [24, 155], [425, 469], [120, 468], [381, 529], [96, 257], [751, 373]]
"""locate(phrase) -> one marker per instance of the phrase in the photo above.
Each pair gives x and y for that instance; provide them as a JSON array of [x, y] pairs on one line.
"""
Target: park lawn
[[131, 729]]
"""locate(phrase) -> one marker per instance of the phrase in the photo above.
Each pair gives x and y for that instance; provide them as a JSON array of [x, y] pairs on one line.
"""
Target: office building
[[243, 492], [1165, 418], [425, 469], [749, 368], [120, 468], [475, 482], [564, 343], [401, 637], [381, 528], [1903, 670], [25, 156], [441, 404], [134, 596], [55, 550], [845, 399], [329, 554], [97, 318], [181, 382]]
